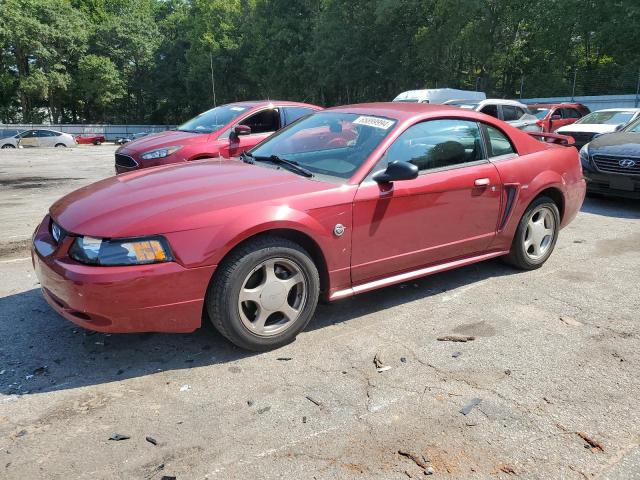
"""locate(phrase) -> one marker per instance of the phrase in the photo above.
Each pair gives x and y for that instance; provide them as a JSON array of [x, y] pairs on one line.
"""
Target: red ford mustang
[[225, 131], [347, 200]]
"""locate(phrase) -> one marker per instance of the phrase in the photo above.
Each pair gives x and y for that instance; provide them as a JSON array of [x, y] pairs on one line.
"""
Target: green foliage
[[156, 60]]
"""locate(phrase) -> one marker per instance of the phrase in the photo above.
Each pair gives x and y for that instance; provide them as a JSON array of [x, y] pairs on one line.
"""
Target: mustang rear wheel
[[264, 293], [536, 235]]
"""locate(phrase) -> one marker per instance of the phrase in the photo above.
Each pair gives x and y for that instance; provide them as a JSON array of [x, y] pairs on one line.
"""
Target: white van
[[439, 95]]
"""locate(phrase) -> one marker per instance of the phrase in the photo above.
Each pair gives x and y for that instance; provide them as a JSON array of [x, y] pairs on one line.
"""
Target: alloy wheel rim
[[540, 232], [272, 296]]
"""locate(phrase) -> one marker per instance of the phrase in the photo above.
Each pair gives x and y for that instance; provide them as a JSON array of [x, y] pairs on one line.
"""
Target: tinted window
[[28, 134], [490, 110], [46, 133], [570, 113], [510, 113], [294, 113], [499, 144], [213, 119], [263, 122], [437, 144]]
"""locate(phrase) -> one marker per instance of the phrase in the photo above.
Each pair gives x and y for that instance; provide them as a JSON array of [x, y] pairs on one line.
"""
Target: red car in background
[[345, 201], [552, 116], [90, 139], [225, 131]]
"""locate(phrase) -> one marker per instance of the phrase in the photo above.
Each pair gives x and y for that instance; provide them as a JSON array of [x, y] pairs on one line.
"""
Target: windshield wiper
[[246, 157], [290, 165], [191, 131]]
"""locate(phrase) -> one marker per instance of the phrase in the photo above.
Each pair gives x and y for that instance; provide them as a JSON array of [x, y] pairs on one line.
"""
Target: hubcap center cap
[[273, 296]]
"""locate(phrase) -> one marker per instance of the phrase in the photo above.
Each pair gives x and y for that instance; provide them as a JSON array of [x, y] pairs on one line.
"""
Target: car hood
[[160, 140], [619, 144], [587, 128], [176, 197]]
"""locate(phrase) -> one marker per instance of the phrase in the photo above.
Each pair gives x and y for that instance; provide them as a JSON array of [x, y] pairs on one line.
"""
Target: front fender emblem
[[338, 230]]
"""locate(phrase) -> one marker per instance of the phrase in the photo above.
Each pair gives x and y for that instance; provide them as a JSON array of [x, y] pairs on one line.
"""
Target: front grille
[[581, 138], [615, 164], [125, 161]]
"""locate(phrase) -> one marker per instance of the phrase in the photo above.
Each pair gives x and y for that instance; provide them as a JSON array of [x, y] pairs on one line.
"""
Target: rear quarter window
[[498, 142]]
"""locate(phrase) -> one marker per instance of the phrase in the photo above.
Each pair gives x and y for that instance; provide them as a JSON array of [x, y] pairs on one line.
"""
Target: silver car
[[38, 138]]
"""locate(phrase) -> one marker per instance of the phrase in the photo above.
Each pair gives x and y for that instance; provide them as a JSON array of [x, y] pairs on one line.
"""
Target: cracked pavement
[[543, 382]]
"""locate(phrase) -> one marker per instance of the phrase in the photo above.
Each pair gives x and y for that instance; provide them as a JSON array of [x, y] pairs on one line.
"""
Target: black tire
[[8, 145], [97, 142], [518, 256], [222, 300], [60, 145]]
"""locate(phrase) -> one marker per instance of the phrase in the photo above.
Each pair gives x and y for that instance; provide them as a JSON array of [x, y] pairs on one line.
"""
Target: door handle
[[482, 182]]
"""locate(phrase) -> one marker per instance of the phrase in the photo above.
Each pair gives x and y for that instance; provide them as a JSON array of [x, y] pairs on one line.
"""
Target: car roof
[[558, 104], [618, 110], [500, 101], [265, 103], [395, 110]]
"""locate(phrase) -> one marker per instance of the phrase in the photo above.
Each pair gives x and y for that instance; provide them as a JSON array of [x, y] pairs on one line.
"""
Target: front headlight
[[160, 152], [124, 251], [584, 156]]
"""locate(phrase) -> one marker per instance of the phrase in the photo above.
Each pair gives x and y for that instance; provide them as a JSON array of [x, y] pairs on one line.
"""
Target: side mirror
[[619, 127], [555, 117], [395, 172], [239, 130]]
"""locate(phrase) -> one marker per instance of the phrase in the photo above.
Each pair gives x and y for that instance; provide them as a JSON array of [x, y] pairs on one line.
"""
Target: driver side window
[[437, 144], [266, 121]]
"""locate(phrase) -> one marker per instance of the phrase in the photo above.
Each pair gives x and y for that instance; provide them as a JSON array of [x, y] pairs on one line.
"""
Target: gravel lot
[[554, 365]]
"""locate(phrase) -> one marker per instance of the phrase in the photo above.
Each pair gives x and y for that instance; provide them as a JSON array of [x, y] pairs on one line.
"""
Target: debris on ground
[[168, 477], [250, 403], [185, 388], [469, 406], [429, 471], [304, 419], [118, 437], [283, 359], [379, 364], [570, 321], [151, 440], [456, 354], [403, 359], [377, 361], [507, 372], [40, 370], [263, 410], [313, 400], [456, 338], [507, 469], [420, 461], [594, 444], [591, 443]]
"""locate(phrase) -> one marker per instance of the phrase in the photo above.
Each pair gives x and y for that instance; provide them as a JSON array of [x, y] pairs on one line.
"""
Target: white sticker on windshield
[[374, 122], [238, 109]]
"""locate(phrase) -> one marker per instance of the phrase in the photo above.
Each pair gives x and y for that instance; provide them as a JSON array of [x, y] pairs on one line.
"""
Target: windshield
[[213, 119], [634, 127], [614, 117], [540, 112], [331, 144], [408, 100], [462, 104]]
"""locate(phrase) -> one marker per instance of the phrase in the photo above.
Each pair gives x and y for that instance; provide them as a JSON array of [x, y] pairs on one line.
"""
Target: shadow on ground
[[611, 207], [43, 352]]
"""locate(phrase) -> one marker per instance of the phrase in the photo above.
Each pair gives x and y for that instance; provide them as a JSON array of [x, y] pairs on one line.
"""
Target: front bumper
[[163, 297], [614, 185]]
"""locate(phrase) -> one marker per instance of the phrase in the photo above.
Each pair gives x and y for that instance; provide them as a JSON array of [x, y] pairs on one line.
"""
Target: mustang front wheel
[[536, 235], [264, 293]]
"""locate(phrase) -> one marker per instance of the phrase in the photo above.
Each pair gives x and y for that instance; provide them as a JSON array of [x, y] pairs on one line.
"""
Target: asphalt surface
[[550, 382]]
